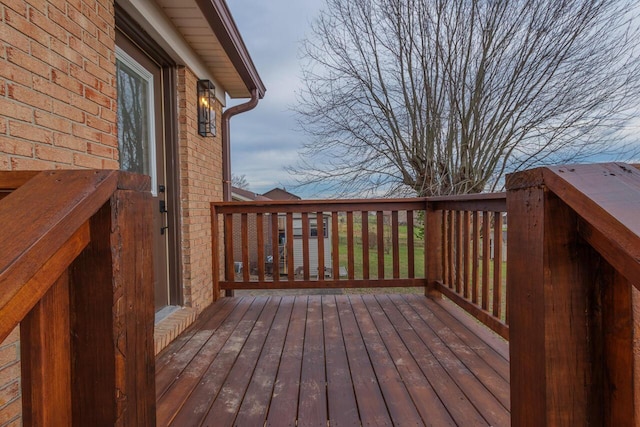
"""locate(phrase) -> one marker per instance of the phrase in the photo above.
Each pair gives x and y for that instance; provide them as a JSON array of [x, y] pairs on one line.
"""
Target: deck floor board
[[333, 360]]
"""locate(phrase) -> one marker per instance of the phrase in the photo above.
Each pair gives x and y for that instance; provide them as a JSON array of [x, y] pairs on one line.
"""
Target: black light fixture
[[206, 111]]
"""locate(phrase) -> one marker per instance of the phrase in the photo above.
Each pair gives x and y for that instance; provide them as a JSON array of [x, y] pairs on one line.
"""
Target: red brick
[[109, 115], [5, 164], [86, 132], [15, 111], [79, 73], [48, 25], [97, 97], [9, 412], [20, 23], [100, 124], [106, 38], [98, 72], [61, 5], [30, 132], [86, 161], [52, 121], [66, 82], [68, 112], [110, 164], [83, 22], [15, 74], [63, 21], [18, 6], [53, 90], [100, 150], [40, 5], [110, 140], [14, 38], [49, 56], [8, 355], [28, 62], [54, 154], [84, 50], [66, 52], [9, 393], [84, 104], [29, 97], [21, 163], [69, 141]]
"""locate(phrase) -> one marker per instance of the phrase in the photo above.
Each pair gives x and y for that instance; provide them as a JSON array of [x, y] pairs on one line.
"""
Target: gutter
[[226, 140]]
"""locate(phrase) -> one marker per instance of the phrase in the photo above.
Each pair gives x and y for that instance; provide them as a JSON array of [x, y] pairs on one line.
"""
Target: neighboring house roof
[[241, 195], [281, 194], [210, 33]]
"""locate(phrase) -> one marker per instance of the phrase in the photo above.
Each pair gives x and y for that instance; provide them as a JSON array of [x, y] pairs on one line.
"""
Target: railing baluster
[[475, 269], [244, 225], [365, 245], [395, 242], [350, 255], [228, 247], [260, 240], [305, 246], [275, 249], [335, 245], [486, 255], [215, 252], [451, 241], [458, 268], [380, 237], [410, 247], [497, 264], [445, 246], [465, 244], [321, 264], [289, 239]]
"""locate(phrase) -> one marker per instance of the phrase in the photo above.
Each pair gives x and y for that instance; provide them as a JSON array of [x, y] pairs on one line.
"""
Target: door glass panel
[[135, 118]]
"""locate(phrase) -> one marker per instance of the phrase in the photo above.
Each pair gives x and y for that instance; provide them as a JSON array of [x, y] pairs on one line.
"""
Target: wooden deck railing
[[451, 245], [574, 256], [76, 275], [466, 237], [328, 243]]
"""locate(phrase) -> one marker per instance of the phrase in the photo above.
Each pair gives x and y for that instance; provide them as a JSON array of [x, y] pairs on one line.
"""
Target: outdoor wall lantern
[[206, 111]]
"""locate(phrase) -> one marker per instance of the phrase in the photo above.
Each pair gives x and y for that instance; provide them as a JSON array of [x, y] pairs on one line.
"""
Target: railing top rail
[[43, 214], [607, 198], [485, 201], [329, 205]]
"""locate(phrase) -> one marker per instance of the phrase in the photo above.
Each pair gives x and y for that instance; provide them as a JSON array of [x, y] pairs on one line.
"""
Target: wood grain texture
[[113, 317], [70, 198], [342, 360], [46, 359]]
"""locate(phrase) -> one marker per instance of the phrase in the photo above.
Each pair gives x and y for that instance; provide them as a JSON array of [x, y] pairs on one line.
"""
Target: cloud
[[266, 139]]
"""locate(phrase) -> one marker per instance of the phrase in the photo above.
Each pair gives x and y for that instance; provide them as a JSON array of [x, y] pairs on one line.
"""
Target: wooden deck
[[334, 360]]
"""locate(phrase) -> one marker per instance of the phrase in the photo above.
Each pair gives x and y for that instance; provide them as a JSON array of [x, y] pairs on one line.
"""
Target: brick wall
[[57, 85], [57, 109], [201, 183]]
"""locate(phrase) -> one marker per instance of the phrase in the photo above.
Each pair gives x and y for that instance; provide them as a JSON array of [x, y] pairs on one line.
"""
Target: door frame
[[128, 28]]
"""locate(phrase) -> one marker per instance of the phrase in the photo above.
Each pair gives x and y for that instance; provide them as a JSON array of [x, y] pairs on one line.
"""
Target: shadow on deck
[[334, 360]]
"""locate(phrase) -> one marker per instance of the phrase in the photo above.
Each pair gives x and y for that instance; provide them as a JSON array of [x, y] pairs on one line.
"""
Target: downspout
[[226, 141]]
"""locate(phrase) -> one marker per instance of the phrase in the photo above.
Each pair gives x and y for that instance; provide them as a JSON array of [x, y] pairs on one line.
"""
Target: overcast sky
[[264, 140]]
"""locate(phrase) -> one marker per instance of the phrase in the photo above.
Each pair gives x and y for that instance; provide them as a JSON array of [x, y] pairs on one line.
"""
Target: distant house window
[[313, 228]]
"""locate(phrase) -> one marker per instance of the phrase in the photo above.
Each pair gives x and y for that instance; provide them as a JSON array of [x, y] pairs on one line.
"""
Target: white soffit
[[187, 17], [185, 34]]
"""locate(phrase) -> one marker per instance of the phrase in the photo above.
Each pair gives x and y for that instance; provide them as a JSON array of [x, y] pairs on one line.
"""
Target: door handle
[[163, 206], [162, 229]]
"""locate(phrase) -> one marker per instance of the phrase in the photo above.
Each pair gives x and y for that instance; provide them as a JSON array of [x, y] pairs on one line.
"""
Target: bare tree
[[436, 97], [240, 181]]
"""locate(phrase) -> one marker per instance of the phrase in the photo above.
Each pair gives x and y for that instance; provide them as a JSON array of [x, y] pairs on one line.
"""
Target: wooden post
[[433, 250], [45, 354], [570, 327], [112, 324]]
